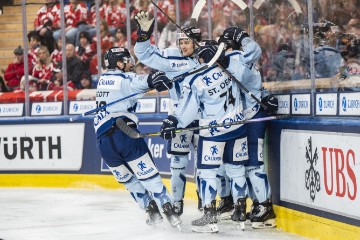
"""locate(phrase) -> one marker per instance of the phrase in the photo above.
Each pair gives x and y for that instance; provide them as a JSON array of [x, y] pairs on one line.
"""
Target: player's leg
[[123, 174], [137, 156], [226, 204], [179, 147], [262, 215], [236, 155], [210, 157]]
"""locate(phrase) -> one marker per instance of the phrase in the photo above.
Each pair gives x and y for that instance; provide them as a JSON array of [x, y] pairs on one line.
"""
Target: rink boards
[[314, 166]]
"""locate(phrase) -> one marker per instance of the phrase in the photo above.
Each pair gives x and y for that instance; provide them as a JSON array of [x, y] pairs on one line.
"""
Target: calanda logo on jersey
[[214, 154], [312, 177], [118, 175], [143, 168], [213, 76]]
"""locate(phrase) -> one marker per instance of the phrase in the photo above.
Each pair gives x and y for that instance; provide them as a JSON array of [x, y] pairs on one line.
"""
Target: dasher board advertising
[[321, 170]]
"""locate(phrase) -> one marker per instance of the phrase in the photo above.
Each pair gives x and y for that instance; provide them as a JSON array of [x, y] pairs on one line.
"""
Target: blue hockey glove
[[159, 81], [145, 26], [168, 127]]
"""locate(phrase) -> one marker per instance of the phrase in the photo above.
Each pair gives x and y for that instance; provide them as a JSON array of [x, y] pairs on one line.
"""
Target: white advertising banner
[[79, 107], [350, 104], [326, 104], [321, 170], [283, 104], [46, 108], [146, 105], [42, 147], [164, 105], [11, 110], [301, 104]]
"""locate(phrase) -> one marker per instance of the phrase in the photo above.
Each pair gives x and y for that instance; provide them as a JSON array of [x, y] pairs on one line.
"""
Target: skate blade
[[176, 223], [209, 228], [240, 225], [267, 224], [179, 227]]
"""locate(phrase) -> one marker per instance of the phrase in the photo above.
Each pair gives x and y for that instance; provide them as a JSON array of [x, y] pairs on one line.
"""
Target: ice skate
[[200, 207], [154, 216], [208, 222], [239, 215], [251, 214], [171, 216], [225, 208], [179, 207], [264, 216]]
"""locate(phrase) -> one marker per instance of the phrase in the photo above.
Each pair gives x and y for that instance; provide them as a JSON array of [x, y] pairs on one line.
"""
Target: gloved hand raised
[[207, 52], [159, 81], [235, 34], [271, 102], [145, 26], [168, 127]]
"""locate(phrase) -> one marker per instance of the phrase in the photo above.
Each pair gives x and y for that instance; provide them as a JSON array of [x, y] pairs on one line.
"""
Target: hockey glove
[[168, 127], [159, 81], [145, 26], [235, 34], [208, 52], [271, 102]]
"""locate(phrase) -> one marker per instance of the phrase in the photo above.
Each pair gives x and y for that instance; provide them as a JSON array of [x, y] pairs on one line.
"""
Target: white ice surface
[[73, 214]]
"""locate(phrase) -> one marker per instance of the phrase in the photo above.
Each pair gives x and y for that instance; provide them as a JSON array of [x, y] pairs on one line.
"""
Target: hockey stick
[[134, 134], [202, 3], [177, 78]]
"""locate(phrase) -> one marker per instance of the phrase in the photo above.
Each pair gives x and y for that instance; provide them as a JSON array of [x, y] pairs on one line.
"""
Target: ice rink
[[73, 214]]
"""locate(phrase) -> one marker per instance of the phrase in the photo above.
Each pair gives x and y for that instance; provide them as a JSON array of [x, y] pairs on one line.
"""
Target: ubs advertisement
[[321, 170], [51, 147]]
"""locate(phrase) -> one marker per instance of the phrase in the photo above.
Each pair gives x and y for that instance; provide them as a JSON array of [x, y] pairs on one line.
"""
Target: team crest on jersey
[[240, 150], [211, 76], [183, 138], [213, 130]]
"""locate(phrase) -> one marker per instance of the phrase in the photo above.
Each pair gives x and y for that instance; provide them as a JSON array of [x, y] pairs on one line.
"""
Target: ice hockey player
[[217, 96], [129, 159], [262, 214], [173, 61]]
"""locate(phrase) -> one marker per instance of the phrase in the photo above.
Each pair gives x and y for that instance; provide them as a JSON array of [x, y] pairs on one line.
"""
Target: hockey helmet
[[115, 54], [191, 32]]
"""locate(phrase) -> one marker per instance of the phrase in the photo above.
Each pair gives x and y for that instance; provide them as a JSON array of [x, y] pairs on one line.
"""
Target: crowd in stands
[[281, 32]]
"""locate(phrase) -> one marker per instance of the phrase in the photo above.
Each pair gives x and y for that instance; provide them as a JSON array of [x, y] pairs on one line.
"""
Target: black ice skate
[[208, 222], [171, 216], [200, 207], [225, 208], [253, 210], [179, 207], [264, 216], [239, 215], [154, 216]]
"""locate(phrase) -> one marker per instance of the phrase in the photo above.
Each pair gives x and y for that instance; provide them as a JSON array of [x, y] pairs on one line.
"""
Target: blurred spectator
[[34, 44], [84, 51], [91, 23], [56, 55], [46, 22], [15, 70], [57, 80], [85, 81], [120, 38], [169, 34], [106, 40], [75, 14], [284, 63], [94, 66], [75, 68], [32, 85], [115, 16], [353, 27], [43, 69], [3, 87]]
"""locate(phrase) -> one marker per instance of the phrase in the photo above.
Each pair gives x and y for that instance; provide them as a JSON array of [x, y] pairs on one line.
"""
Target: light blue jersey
[[249, 77], [173, 63], [216, 95], [113, 86]]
